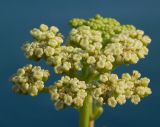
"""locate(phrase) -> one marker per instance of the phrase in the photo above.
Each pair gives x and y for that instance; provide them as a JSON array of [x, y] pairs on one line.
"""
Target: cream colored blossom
[[112, 102], [91, 60], [121, 99], [94, 48], [103, 77], [29, 80], [135, 99], [115, 90], [70, 91], [45, 39]]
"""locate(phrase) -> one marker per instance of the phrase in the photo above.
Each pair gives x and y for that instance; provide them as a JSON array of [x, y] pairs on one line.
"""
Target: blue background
[[17, 17]]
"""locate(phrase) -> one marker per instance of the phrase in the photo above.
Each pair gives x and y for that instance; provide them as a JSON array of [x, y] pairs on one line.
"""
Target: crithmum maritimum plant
[[93, 49]]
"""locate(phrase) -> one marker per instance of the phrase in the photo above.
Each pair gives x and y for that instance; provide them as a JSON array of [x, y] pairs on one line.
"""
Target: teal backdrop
[[17, 17]]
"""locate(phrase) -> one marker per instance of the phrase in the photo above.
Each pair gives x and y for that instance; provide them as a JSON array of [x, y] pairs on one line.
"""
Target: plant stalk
[[86, 112]]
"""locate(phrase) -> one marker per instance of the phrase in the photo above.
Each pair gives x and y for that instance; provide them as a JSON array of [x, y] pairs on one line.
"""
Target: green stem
[[87, 116], [45, 90], [86, 112], [97, 111]]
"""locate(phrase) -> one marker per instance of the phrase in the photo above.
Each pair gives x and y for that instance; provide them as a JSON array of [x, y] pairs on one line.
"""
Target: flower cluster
[[29, 80], [129, 46], [86, 38], [93, 49], [67, 60], [124, 42], [68, 92], [44, 43], [112, 91]]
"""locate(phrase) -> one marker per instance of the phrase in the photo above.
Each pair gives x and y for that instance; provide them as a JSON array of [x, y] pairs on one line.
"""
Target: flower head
[[68, 92], [116, 91], [93, 49], [29, 80]]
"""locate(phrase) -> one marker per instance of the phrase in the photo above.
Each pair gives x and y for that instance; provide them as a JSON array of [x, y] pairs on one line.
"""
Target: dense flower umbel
[[68, 92], [112, 90], [126, 43], [45, 40], [94, 48], [29, 80]]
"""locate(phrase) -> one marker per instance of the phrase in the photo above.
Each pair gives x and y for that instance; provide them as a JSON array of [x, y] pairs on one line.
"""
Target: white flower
[[135, 99], [54, 29], [55, 96], [43, 27], [141, 90], [29, 80], [145, 81], [71, 91], [101, 64], [49, 51], [108, 65], [67, 66], [38, 52], [146, 40], [121, 99], [103, 77], [78, 102], [112, 102], [68, 100], [136, 74], [113, 78], [91, 60]]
